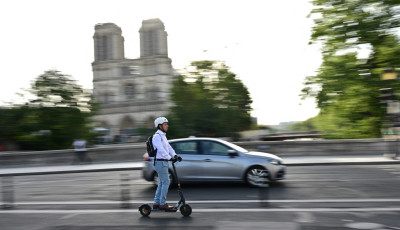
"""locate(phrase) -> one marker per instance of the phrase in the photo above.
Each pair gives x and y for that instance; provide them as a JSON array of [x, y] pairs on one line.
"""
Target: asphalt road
[[312, 197]]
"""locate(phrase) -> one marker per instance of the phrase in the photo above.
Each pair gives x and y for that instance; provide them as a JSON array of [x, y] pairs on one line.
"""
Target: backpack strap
[[155, 157]]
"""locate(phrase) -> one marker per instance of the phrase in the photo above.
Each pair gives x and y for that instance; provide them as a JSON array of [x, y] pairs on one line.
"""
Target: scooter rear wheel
[[145, 209], [186, 210]]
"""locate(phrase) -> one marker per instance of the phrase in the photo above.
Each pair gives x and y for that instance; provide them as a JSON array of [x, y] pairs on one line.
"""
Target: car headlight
[[274, 162]]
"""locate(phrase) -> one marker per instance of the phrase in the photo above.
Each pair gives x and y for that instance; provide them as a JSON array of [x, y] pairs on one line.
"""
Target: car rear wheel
[[257, 176], [171, 179]]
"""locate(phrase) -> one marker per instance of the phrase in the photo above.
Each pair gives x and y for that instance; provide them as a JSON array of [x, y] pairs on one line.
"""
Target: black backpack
[[150, 148]]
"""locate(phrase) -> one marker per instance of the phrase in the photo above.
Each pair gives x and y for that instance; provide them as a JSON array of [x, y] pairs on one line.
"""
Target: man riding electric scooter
[[164, 154]]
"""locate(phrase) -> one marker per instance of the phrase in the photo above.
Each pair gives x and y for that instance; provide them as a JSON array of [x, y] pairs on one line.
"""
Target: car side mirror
[[232, 153]]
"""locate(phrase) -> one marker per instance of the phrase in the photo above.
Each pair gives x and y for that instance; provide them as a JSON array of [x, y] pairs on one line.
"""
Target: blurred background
[[288, 66], [314, 82]]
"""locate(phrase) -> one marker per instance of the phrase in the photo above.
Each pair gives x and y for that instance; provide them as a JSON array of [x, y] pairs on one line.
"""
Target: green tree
[[60, 111], [347, 84], [11, 123], [209, 100], [54, 89], [307, 125]]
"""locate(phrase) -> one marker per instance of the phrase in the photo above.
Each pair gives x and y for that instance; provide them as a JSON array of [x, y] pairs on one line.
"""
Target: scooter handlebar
[[176, 158]]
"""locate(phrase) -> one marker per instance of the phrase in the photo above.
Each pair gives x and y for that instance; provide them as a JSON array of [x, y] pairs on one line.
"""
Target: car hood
[[262, 154]]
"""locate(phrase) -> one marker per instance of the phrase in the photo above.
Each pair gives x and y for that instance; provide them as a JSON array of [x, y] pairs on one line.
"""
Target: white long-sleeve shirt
[[79, 145], [164, 149]]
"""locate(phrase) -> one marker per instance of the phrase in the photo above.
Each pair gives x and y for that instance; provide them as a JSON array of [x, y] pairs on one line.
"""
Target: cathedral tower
[[108, 42], [153, 39], [131, 92]]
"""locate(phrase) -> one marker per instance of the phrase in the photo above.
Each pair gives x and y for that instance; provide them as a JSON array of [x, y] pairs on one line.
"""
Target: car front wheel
[[257, 176]]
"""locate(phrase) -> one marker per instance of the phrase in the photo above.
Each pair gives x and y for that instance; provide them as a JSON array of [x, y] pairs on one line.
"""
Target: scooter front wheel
[[186, 210], [145, 209]]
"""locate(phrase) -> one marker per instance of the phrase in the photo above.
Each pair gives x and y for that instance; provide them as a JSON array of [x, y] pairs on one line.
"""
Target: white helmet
[[160, 121]]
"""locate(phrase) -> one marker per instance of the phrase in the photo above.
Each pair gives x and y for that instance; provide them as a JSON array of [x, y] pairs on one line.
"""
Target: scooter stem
[[176, 175]]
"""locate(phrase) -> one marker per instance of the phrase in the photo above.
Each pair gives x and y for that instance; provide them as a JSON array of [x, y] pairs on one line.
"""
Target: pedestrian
[[164, 154], [79, 145]]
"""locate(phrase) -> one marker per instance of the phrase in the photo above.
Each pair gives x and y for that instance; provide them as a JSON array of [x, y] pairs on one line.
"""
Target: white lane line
[[338, 180], [389, 169], [201, 210], [212, 201], [69, 216], [393, 209], [36, 185]]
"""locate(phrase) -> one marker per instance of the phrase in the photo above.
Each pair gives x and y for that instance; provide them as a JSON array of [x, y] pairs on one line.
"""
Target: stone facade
[[131, 92]]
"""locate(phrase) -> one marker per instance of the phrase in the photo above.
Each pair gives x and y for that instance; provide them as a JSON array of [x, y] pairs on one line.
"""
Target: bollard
[[263, 189], [7, 192], [391, 148], [125, 191]]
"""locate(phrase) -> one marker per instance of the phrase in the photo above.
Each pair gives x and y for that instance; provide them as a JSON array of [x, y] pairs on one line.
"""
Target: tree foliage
[[209, 100], [54, 89], [347, 84], [60, 111]]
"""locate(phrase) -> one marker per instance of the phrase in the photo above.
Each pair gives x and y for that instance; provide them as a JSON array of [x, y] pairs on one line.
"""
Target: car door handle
[[207, 160]]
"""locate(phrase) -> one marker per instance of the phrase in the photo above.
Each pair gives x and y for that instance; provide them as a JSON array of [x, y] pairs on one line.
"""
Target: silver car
[[211, 159]]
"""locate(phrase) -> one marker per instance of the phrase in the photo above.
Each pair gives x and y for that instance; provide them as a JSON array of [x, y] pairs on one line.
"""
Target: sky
[[264, 42]]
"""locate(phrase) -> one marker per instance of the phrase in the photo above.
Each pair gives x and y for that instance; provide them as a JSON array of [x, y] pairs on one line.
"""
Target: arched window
[[127, 125]]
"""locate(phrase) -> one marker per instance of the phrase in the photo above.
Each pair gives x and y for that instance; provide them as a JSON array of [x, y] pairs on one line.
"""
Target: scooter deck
[[167, 210]]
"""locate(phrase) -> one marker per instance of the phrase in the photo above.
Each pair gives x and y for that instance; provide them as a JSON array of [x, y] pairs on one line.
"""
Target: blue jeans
[[161, 168]]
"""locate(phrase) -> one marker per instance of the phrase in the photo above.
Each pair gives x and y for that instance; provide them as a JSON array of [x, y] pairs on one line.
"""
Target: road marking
[[365, 226], [389, 169], [212, 201], [305, 217], [204, 210], [112, 183], [69, 216], [338, 180], [393, 209]]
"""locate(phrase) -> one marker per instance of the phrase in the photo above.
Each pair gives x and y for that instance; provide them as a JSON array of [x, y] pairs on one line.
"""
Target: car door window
[[214, 148], [185, 147]]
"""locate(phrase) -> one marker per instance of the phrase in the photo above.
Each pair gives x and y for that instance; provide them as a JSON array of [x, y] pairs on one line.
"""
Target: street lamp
[[392, 117]]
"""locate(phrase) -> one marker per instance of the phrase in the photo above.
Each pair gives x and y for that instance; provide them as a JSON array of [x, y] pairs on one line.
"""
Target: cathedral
[[131, 92]]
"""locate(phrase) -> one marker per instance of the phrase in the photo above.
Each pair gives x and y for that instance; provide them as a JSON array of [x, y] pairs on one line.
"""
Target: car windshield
[[235, 146]]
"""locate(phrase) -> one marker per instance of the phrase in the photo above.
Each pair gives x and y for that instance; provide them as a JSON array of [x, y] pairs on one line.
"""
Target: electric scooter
[[185, 209]]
